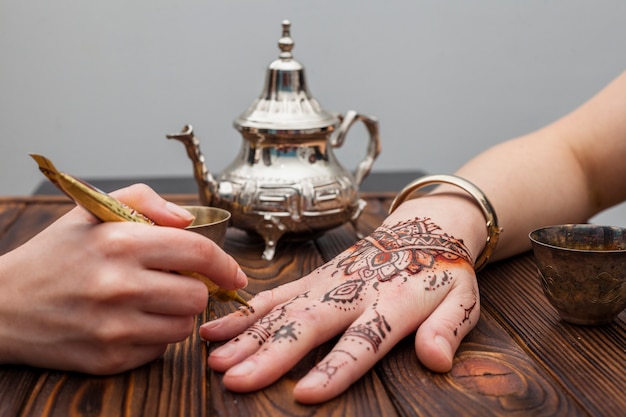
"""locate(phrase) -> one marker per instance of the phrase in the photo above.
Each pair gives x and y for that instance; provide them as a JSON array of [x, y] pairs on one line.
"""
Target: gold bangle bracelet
[[493, 230]]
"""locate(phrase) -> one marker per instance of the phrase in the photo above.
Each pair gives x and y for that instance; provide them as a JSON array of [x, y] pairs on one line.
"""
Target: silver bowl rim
[[580, 226]]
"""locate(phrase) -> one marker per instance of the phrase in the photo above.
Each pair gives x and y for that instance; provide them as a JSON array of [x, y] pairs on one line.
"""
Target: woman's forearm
[[565, 172]]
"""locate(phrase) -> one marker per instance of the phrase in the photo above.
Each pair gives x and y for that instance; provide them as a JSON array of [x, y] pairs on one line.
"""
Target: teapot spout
[[207, 186]]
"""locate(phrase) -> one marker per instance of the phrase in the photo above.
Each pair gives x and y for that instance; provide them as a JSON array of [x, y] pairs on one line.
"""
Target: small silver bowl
[[211, 222], [583, 270]]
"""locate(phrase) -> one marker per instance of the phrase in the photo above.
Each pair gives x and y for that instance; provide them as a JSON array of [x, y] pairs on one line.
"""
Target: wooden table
[[519, 360]]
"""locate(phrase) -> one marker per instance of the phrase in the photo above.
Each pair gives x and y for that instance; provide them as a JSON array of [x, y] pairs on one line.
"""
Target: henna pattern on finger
[[262, 329], [372, 332], [259, 333], [246, 310], [287, 331], [333, 363], [467, 311]]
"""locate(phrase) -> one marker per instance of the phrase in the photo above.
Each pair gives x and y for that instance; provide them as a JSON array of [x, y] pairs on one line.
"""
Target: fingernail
[[210, 325], [314, 380], [178, 211], [241, 280], [225, 351], [242, 369], [444, 345]]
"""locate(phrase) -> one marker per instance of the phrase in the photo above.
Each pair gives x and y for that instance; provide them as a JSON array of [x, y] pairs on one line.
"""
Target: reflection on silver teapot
[[286, 180]]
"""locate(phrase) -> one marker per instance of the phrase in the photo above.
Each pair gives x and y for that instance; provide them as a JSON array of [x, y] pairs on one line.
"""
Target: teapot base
[[273, 227]]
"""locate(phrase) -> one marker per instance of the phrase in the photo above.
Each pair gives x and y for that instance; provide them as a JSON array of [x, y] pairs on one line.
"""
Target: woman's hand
[[404, 277], [94, 297]]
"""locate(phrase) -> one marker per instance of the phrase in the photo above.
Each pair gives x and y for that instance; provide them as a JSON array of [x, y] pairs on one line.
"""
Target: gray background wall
[[96, 85]]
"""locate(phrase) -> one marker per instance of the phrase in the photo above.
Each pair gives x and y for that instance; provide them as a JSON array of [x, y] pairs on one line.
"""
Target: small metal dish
[[211, 222]]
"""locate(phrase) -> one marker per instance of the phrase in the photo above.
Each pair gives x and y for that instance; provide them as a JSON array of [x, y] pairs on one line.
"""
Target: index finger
[[146, 201]]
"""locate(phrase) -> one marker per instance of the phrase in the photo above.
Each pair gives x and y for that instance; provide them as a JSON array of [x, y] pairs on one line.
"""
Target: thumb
[[440, 335]]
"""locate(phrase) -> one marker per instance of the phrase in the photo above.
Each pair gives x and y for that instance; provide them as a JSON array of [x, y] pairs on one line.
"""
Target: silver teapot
[[286, 180]]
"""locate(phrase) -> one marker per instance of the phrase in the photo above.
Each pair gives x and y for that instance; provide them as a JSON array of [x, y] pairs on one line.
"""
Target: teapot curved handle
[[373, 148]]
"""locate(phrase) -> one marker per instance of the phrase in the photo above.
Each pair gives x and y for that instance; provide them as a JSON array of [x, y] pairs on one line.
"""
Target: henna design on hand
[[258, 332], [261, 330], [411, 246], [467, 312], [331, 365], [435, 281], [390, 252], [373, 332], [408, 247], [288, 331], [404, 249], [346, 292]]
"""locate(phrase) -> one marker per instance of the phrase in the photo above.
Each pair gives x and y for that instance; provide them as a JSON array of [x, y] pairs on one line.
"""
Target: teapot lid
[[285, 102]]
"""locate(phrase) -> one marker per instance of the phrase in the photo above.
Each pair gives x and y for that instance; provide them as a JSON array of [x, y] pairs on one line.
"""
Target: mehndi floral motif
[[346, 292], [412, 246]]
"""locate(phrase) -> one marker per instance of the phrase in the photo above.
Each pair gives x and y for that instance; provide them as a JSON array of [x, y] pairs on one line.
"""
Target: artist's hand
[[93, 297], [404, 277]]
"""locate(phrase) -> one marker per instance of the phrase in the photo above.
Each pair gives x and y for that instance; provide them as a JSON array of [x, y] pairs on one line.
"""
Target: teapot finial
[[285, 103], [285, 43]]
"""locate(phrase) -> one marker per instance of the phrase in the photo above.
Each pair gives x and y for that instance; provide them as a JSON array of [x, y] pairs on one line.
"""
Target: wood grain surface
[[520, 360]]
